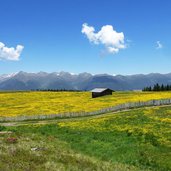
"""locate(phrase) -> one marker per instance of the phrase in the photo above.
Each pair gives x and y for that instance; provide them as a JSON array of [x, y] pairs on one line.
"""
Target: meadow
[[132, 140], [36, 103]]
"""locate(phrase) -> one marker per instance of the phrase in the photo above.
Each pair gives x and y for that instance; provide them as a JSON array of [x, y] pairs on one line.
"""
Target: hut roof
[[99, 90]]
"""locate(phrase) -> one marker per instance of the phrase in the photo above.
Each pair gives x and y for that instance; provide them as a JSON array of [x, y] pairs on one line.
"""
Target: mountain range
[[83, 81]]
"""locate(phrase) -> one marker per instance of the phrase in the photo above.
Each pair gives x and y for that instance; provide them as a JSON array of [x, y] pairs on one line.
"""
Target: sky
[[96, 36]]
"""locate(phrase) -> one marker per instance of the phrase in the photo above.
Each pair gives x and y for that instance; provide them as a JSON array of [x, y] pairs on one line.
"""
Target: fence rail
[[119, 107]]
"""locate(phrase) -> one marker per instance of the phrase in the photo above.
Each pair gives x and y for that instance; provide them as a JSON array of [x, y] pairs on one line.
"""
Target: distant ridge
[[83, 81]]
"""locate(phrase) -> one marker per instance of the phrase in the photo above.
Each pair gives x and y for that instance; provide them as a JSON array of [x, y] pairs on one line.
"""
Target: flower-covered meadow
[[138, 139], [37, 103], [144, 133]]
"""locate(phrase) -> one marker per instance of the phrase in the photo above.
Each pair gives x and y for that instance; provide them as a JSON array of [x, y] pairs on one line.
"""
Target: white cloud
[[159, 45], [11, 53], [112, 40]]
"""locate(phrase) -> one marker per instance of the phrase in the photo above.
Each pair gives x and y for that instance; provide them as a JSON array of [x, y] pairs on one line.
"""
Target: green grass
[[133, 140]]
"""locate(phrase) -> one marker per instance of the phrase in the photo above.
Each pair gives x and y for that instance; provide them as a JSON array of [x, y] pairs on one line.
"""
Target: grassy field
[[35, 103], [132, 140]]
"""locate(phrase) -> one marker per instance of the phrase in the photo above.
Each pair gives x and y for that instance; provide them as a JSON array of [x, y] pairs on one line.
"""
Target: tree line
[[57, 90], [158, 87]]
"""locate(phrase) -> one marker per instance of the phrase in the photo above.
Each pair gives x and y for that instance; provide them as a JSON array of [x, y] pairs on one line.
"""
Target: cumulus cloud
[[11, 53], [159, 45], [107, 36]]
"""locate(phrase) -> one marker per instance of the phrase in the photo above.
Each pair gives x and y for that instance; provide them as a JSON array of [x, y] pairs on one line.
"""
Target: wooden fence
[[119, 107]]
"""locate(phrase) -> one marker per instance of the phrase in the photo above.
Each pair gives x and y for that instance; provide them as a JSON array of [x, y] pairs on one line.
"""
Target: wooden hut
[[97, 92]]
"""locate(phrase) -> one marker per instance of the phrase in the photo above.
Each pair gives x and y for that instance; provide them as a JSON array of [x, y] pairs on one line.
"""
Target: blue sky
[[49, 32]]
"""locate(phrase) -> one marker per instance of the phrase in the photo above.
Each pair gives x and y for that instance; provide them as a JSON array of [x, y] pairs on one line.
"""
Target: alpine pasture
[[133, 140], [36, 103]]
